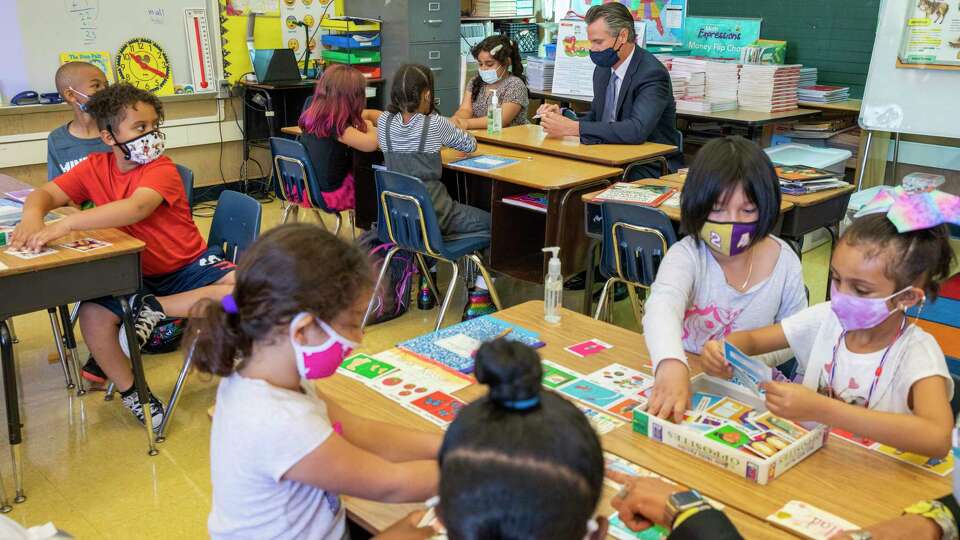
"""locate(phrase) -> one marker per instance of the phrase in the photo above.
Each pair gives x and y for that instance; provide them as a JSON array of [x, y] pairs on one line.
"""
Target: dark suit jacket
[[646, 110]]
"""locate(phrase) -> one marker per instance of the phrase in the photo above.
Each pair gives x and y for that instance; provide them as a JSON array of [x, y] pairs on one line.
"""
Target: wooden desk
[[532, 138], [537, 171], [856, 484], [53, 281], [850, 105], [375, 516], [292, 130]]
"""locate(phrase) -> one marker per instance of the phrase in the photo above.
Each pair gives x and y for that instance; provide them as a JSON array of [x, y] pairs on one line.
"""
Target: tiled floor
[[85, 462]]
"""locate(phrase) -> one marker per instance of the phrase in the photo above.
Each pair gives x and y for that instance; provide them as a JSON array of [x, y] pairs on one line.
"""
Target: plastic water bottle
[[494, 115], [553, 288]]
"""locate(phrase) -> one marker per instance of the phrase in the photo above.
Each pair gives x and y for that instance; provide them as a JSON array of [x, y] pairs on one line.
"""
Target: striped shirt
[[406, 137]]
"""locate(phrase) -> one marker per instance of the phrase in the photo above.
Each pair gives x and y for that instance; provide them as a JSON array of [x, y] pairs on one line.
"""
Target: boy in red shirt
[[140, 192]]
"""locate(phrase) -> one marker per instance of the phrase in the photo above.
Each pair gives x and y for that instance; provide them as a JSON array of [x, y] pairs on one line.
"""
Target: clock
[[144, 64]]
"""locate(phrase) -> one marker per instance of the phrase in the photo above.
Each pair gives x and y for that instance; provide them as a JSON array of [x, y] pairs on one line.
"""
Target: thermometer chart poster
[[664, 17]]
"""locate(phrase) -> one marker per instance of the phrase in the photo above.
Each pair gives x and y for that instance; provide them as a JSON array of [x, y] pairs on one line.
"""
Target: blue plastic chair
[[186, 175], [635, 240], [296, 183], [406, 218], [236, 225]]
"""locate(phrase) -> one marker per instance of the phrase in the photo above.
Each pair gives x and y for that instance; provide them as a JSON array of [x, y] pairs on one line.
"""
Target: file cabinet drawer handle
[[433, 21], [433, 55]]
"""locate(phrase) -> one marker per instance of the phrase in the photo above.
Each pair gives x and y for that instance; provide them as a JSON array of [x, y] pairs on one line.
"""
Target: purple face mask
[[857, 313]]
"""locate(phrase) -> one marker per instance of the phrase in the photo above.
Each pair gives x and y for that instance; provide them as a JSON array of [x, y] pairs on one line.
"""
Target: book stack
[[540, 73], [494, 8], [533, 201], [706, 105], [723, 78], [688, 84], [635, 194], [808, 76], [801, 180], [768, 87], [824, 93]]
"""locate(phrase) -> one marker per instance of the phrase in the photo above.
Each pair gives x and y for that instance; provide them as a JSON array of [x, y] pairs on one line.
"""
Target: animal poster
[[931, 35]]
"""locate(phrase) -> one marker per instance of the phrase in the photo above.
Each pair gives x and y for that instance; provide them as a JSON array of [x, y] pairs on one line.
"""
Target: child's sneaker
[[478, 304], [147, 314], [132, 402], [91, 371]]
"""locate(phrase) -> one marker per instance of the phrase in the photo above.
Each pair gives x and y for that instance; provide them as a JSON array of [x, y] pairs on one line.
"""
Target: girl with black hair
[[501, 71], [281, 454], [411, 135], [729, 273]]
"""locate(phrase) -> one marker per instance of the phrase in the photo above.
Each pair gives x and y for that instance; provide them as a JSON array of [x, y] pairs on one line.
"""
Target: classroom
[[480, 269]]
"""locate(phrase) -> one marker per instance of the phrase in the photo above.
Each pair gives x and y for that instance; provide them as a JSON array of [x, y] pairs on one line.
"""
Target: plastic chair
[[635, 240], [186, 175], [236, 225], [296, 183], [631, 172], [407, 219]]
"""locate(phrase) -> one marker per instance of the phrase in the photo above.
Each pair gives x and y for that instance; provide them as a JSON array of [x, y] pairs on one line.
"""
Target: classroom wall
[[834, 36]]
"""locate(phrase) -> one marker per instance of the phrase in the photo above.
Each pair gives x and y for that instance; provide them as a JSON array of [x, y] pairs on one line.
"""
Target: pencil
[[504, 333]]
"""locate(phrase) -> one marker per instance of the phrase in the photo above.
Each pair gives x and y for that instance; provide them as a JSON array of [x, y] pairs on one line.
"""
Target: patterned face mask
[[143, 149]]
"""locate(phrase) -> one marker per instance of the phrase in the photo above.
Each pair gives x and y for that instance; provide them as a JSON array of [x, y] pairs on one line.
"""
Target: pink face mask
[[320, 361], [857, 313]]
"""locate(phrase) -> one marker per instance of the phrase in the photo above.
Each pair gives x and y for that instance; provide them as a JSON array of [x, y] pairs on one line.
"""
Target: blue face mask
[[606, 58], [83, 106]]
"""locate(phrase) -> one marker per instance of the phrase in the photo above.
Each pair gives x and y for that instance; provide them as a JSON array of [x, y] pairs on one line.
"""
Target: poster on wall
[[720, 37], [300, 18], [931, 36], [101, 59], [664, 17], [573, 71]]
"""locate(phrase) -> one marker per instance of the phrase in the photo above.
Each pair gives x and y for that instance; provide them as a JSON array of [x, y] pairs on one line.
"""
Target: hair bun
[[511, 370]]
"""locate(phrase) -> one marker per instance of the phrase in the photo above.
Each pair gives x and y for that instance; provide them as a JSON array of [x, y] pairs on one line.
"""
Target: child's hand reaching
[[34, 238], [670, 396], [795, 401], [713, 361], [642, 502]]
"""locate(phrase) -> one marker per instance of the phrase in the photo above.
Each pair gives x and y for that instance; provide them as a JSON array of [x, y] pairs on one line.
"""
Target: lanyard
[[876, 374]]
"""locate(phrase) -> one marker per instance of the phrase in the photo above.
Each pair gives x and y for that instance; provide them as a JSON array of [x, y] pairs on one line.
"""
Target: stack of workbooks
[[494, 8], [800, 179], [768, 87], [824, 94], [723, 78], [688, 84], [702, 104], [808, 76], [540, 73]]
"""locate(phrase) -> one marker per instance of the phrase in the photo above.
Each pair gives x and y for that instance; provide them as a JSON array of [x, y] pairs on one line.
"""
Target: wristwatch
[[939, 513], [680, 502], [860, 535]]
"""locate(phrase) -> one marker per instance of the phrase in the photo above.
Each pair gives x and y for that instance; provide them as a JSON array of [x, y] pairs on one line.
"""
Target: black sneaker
[[147, 314], [132, 402], [91, 371]]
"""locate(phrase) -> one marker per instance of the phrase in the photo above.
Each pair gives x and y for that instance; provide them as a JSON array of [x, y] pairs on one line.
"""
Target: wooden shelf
[[501, 18]]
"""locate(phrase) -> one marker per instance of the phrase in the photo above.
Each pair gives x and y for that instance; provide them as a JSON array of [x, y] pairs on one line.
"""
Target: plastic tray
[[831, 159], [352, 41], [352, 56]]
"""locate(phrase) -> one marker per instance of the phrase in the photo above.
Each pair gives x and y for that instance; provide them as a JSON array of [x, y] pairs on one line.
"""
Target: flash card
[[587, 348], [85, 244], [26, 253]]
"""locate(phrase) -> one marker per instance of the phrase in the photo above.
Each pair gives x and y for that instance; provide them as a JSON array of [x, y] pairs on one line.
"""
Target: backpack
[[166, 337], [392, 299]]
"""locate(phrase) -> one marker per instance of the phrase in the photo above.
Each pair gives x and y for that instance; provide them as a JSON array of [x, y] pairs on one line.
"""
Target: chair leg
[[455, 273], [603, 298], [111, 389], [486, 277], [426, 273], [352, 216], [13, 331], [61, 352], [290, 211], [635, 302], [376, 286], [336, 229], [175, 396]]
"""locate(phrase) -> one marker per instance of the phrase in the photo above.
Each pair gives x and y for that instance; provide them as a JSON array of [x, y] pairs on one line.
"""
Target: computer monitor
[[275, 66]]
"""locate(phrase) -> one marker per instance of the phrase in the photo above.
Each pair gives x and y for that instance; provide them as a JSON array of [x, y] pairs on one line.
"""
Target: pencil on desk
[[512, 156], [505, 333]]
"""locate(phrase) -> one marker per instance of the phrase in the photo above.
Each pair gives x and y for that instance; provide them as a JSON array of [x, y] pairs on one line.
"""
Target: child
[[333, 123], [279, 453], [500, 70], [729, 273], [411, 135], [865, 368], [70, 143], [139, 191]]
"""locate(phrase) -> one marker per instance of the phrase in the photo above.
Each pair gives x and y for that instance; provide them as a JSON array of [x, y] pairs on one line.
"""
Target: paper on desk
[[809, 521]]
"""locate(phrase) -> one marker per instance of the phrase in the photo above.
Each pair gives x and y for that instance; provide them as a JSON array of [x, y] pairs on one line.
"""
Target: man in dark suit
[[632, 95]]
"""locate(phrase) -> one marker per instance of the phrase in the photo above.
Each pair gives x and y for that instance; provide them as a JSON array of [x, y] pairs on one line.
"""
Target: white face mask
[[86, 98], [490, 76], [143, 149], [320, 361]]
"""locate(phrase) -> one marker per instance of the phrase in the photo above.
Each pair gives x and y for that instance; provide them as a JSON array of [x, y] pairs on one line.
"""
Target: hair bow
[[912, 211]]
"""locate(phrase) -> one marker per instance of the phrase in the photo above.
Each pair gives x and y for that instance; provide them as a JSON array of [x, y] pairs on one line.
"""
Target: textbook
[[635, 194], [533, 201], [800, 173], [484, 163]]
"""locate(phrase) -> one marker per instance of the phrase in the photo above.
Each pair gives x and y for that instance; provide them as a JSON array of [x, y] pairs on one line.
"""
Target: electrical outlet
[[224, 90]]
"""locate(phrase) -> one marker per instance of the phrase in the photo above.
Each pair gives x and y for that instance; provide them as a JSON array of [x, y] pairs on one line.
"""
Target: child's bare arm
[[38, 203], [388, 441], [760, 340]]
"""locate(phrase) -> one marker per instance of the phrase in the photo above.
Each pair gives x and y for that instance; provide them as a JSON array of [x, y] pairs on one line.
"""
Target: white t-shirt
[[814, 332], [691, 302], [259, 432]]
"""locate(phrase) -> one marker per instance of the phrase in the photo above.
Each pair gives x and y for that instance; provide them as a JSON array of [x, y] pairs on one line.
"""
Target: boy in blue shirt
[[70, 143]]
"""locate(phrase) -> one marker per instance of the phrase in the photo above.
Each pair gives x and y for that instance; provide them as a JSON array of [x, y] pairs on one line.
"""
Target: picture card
[[365, 368], [86, 244], [767, 444], [615, 463], [438, 407], [939, 466], [627, 381], [426, 372], [729, 436], [588, 348], [399, 386], [591, 393], [747, 371], [701, 401], [729, 409], [809, 521], [555, 375], [26, 253], [624, 409], [618, 529], [602, 423], [784, 427]]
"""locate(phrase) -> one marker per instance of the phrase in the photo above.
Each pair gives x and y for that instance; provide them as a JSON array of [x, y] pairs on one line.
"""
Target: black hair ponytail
[[521, 462], [504, 50]]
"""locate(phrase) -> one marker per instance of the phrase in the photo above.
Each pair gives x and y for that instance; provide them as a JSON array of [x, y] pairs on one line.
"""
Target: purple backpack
[[392, 299]]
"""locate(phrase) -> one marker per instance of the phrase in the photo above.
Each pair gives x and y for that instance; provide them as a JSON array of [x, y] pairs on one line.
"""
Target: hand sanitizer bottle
[[494, 115], [552, 288]]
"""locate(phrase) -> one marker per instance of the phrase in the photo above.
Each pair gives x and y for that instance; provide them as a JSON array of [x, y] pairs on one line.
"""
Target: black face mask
[[606, 58]]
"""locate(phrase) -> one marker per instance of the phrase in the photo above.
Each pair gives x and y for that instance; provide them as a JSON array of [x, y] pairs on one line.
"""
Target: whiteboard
[[903, 100], [33, 33]]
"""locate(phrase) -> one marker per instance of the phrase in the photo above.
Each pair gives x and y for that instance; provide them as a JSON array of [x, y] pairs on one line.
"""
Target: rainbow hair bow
[[912, 211]]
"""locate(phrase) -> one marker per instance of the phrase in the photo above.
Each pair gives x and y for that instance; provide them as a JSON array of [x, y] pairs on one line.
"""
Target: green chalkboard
[[835, 36]]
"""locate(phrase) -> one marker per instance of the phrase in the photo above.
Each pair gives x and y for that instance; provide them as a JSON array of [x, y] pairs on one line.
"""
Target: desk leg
[[61, 352], [13, 413], [66, 320], [589, 278], [138, 378]]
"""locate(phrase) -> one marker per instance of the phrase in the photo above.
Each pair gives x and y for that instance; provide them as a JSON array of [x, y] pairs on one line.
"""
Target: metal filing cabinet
[[421, 32]]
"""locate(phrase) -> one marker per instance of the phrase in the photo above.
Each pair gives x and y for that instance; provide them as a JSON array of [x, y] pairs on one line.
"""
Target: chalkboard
[[907, 100], [835, 36], [34, 33]]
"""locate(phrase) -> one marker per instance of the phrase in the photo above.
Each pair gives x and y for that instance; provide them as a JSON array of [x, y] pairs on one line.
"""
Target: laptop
[[276, 66]]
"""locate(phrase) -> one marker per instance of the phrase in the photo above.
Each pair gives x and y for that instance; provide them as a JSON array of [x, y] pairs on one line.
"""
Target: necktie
[[610, 102]]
